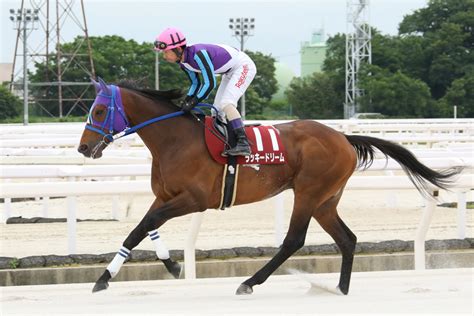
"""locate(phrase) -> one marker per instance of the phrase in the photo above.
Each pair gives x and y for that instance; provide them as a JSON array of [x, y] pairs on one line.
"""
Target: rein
[[114, 134]]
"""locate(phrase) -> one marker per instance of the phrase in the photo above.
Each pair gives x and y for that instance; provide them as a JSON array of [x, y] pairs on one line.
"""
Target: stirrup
[[226, 152]]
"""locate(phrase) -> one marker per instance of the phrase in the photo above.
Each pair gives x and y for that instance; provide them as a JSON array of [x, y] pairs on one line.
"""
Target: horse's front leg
[[158, 214]]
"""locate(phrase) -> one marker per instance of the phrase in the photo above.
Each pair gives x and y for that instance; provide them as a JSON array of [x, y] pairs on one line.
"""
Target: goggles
[[160, 45]]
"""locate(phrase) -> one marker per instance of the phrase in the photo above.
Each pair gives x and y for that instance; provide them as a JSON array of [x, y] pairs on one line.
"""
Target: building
[[283, 75], [313, 54], [5, 72]]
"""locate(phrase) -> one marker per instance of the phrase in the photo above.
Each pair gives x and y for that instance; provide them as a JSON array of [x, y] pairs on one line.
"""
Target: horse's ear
[[96, 85], [103, 86]]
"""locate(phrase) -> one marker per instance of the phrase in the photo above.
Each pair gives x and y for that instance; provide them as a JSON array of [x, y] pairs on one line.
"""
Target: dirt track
[[366, 213], [428, 292]]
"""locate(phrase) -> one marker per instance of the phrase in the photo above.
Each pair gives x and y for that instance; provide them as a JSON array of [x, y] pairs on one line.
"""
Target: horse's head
[[106, 119]]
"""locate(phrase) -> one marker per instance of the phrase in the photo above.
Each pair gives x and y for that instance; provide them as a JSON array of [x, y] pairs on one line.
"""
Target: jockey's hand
[[188, 104]]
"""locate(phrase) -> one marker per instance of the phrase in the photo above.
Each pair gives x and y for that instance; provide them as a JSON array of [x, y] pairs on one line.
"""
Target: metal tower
[[358, 51], [45, 46]]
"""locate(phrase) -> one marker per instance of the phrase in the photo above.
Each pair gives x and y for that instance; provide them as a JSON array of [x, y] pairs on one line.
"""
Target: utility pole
[[242, 28], [22, 19], [25, 76]]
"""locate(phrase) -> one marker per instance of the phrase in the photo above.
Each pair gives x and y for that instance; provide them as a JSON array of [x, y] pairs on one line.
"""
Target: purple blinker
[[115, 120]]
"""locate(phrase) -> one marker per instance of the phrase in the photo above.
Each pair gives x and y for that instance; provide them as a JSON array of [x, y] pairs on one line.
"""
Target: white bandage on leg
[[161, 250], [231, 112], [117, 262]]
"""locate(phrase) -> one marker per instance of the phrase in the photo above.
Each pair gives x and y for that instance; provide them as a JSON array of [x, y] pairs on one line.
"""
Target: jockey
[[236, 68]]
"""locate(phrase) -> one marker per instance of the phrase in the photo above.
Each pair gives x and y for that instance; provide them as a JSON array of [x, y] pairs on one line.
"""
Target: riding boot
[[242, 148]]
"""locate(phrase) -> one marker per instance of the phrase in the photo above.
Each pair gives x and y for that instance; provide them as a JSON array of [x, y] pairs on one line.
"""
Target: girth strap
[[229, 183]]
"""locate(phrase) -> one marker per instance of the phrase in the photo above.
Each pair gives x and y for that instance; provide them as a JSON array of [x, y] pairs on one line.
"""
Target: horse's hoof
[[176, 270], [173, 267], [342, 292], [99, 286], [244, 289]]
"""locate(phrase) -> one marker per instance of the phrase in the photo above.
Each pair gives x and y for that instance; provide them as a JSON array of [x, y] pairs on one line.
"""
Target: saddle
[[264, 140], [265, 144]]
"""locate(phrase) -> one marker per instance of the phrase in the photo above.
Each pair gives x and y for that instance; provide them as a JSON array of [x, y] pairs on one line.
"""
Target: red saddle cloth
[[265, 144]]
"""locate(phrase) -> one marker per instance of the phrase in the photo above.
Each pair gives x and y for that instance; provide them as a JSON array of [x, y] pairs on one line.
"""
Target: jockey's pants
[[235, 82]]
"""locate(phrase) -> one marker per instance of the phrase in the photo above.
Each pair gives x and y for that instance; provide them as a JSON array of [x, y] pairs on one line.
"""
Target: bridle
[[115, 121], [116, 125]]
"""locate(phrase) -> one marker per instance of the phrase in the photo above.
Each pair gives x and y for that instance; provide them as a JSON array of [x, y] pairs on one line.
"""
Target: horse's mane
[[156, 95]]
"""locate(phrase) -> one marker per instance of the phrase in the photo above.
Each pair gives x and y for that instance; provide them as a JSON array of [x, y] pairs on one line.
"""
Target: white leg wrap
[[116, 264], [161, 250]]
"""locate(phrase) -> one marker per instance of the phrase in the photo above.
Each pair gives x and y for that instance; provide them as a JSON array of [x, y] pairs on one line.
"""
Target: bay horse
[[185, 179]]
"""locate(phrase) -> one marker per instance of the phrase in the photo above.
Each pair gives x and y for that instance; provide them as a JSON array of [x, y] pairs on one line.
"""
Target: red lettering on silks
[[243, 76]]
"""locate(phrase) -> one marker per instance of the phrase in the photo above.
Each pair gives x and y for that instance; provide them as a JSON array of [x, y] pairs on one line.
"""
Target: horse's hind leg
[[294, 240], [327, 217]]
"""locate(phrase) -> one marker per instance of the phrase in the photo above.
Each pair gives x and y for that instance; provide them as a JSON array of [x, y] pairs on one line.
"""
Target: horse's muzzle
[[88, 151], [83, 148]]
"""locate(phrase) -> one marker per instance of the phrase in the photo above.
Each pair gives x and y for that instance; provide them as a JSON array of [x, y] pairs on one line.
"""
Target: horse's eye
[[99, 112]]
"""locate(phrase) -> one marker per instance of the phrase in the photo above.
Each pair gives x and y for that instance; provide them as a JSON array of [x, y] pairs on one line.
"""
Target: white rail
[[73, 189], [48, 151]]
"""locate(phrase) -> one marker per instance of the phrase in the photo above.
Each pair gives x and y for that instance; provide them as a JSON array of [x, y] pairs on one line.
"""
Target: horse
[[185, 179]]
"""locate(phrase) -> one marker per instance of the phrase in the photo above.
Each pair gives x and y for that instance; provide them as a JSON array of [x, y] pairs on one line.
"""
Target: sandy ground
[[439, 292], [371, 215]]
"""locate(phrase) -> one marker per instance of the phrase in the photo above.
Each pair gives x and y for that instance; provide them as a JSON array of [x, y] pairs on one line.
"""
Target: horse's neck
[[169, 135]]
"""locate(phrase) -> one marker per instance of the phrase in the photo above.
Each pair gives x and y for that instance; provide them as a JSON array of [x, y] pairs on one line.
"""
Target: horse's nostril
[[82, 148]]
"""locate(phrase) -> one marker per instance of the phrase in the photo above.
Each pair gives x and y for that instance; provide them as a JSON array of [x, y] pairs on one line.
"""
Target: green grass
[[14, 263]]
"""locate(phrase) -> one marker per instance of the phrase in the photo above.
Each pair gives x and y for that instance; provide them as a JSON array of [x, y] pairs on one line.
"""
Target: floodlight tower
[[358, 51], [51, 17], [242, 28], [24, 21]]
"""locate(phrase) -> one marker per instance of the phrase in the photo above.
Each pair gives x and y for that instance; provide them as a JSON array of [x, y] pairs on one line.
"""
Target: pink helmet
[[169, 39]]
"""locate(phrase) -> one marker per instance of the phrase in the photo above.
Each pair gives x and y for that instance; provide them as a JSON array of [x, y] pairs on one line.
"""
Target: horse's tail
[[419, 174]]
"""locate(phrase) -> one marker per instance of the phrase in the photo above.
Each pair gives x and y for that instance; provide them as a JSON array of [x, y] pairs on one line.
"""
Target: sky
[[280, 25]]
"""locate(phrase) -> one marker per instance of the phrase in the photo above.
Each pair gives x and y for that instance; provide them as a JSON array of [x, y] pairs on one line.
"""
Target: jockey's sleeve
[[195, 82], [207, 70]]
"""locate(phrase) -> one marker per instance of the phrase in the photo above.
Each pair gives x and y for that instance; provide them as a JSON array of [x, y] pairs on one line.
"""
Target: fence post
[[190, 247], [71, 224], [7, 209], [44, 213], [423, 227], [71, 221], [45, 200], [7, 205], [279, 219], [461, 215]]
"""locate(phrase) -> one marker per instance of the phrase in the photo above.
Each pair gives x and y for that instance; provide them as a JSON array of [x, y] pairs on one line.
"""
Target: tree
[[315, 97], [117, 59], [264, 85], [394, 94], [335, 61], [434, 46], [10, 105], [414, 57], [446, 31], [461, 94]]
